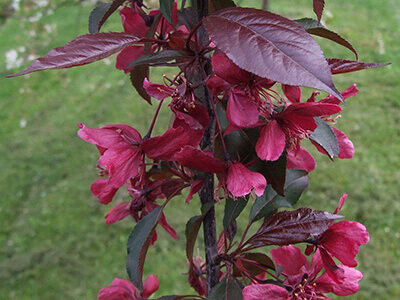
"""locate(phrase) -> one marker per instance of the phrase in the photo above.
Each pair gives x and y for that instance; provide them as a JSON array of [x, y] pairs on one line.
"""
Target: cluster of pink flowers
[[153, 168], [342, 240]]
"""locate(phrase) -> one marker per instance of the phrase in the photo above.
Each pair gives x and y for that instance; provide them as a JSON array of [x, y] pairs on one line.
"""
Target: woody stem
[[207, 191]]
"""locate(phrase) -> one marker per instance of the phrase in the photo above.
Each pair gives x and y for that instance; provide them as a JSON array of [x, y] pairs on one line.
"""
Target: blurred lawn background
[[54, 242]]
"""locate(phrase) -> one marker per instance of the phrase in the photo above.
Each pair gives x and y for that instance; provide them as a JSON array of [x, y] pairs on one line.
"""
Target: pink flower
[[235, 177], [135, 21], [288, 126], [342, 240], [144, 194], [346, 147], [122, 289], [189, 115], [121, 148], [245, 90], [304, 281]]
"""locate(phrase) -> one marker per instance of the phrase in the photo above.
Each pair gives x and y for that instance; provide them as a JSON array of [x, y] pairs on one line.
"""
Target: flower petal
[[167, 145], [300, 159], [290, 258], [200, 160], [292, 93], [150, 285], [271, 142], [102, 190], [158, 91], [346, 147], [122, 163], [227, 70], [241, 181], [241, 110], [128, 55], [349, 285], [118, 213], [343, 240], [264, 292]]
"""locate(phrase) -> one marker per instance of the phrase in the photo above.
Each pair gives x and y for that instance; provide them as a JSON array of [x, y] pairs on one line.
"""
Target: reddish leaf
[[271, 46], [313, 27], [291, 227], [221, 4], [101, 13], [254, 263], [137, 75], [83, 50], [318, 7], [339, 66]]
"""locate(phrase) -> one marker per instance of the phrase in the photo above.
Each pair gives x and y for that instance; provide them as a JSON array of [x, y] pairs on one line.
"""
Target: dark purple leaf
[[155, 59], [192, 230], [339, 66], [274, 172], [138, 244], [291, 227], [83, 50], [221, 4], [188, 17], [137, 75], [325, 138], [101, 13], [318, 7], [312, 27], [254, 263], [295, 184], [166, 7], [227, 289], [271, 46]]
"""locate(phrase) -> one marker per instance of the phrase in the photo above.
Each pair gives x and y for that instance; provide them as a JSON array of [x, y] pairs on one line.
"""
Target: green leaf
[[221, 4], [138, 244], [137, 76], [101, 13], [226, 290], [325, 138], [192, 230], [274, 172], [313, 27], [233, 208], [264, 206], [155, 59], [166, 7]]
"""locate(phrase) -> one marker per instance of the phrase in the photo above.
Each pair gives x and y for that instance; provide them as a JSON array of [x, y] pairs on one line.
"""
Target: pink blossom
[[303, 281], [134, 21], [244, 90], [287, 127], [235, 177], [122, 289], [121, 148], [346, 147], [341, 240]]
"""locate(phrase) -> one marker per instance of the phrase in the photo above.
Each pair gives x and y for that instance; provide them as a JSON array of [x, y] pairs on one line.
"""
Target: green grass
[[54, 242]]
